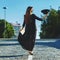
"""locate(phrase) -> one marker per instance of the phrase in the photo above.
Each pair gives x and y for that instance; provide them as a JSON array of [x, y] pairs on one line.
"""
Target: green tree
[[8, 31], [51, 28], [1, 27]]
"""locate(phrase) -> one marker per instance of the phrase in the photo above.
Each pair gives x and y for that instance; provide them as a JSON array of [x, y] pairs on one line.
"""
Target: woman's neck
[[30, 13]]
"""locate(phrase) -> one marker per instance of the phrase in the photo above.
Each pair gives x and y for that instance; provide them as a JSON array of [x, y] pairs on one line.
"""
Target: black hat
[[45, 11]]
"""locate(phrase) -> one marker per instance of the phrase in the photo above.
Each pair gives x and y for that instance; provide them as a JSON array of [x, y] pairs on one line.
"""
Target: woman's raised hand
[[44, 17]]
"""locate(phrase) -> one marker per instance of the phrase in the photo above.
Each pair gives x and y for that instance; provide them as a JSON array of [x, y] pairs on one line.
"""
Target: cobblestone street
[[43, 50]]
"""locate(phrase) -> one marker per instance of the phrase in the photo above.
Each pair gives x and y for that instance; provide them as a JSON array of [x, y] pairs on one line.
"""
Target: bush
[[51, 29], [7, 31]]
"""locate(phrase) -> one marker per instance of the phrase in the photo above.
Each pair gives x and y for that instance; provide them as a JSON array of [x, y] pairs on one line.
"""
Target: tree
[[51, 29], [9, 31], [1, 27]]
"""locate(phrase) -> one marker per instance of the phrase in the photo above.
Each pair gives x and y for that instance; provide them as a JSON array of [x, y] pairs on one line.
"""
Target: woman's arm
[[40, 19], [23, 24]]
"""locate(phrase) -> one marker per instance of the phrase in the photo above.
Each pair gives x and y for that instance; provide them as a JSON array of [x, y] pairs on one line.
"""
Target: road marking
[[30, 57]]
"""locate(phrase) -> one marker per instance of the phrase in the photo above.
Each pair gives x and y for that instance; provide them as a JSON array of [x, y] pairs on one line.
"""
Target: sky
[[16, 9]]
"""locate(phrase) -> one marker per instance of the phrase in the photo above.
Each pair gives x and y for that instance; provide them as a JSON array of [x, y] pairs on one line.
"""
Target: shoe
[[30, 53]]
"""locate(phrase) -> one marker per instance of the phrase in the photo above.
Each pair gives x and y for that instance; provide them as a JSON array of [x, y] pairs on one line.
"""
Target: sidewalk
[[41, 52]]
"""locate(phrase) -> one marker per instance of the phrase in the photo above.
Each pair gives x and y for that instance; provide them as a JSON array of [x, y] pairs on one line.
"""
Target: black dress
[[27, 40]]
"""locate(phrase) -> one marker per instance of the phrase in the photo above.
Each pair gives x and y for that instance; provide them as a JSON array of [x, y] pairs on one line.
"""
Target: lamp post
[[4, 12], [5, 19]]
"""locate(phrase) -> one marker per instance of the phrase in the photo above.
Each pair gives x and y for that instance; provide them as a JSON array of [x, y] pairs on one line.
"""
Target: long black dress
[[27, 40]]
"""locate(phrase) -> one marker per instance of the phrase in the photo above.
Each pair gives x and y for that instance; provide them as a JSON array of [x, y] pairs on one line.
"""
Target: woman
[[27, 40]]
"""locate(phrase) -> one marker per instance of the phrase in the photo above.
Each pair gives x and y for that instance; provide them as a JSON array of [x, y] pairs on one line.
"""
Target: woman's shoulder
[[33, 15]]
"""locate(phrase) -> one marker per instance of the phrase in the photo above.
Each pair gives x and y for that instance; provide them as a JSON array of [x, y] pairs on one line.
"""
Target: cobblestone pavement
[[43, 50]]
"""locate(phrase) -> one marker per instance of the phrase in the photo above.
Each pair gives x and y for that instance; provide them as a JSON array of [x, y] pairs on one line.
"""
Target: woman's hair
[[27, 15]]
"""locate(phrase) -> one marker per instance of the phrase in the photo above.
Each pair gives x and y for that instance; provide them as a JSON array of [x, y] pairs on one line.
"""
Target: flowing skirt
[[27, 40]]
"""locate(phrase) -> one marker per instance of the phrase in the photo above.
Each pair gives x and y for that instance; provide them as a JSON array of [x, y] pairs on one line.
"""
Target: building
[[16, 27]]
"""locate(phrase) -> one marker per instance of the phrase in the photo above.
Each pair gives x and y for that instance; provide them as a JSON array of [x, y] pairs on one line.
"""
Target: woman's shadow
[[55, 44]]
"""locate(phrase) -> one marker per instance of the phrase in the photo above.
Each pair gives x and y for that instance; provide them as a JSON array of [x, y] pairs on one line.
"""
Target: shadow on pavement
[[5, 44], [11, 56], [55, 44]]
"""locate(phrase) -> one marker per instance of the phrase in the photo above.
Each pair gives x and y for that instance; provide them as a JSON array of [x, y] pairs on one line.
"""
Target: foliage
[[51, 28], [7, 32]]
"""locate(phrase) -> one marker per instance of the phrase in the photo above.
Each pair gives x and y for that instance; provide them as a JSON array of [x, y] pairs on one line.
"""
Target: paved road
[[43, 50]]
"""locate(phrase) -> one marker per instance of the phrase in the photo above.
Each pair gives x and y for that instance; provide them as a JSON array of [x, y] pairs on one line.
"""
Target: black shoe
[[30, 53]]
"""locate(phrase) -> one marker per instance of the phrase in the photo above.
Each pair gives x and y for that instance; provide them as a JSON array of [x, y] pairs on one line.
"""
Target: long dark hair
[[27, 15]]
